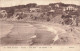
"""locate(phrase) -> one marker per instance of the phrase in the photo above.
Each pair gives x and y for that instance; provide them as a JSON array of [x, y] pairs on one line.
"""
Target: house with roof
[[35, 9], [70, 8]]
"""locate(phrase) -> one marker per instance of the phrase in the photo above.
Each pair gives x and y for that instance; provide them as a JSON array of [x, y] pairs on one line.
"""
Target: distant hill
[[34, 5]]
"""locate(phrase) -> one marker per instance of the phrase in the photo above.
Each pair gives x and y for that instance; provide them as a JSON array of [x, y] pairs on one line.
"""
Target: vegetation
[[39, 12]]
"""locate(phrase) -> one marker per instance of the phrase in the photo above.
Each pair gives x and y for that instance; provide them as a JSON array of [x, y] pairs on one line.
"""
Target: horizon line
[[37, 4]]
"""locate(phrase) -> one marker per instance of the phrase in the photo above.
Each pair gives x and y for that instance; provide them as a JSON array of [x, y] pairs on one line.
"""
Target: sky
[[8, 3]]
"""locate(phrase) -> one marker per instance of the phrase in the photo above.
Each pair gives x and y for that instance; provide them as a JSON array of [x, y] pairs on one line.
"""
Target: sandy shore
[[19, 33], [5, 28]]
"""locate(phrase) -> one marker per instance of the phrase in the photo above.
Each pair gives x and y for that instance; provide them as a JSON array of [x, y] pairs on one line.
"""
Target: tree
[[51, 4], [30, 5], [10, 12]]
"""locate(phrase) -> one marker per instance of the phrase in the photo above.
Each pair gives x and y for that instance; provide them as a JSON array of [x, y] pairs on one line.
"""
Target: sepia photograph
[[39, 22]]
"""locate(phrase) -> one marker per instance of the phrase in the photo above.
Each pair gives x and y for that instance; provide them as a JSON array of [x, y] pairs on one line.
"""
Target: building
[[57, 5], [35, 9], [70, 8]]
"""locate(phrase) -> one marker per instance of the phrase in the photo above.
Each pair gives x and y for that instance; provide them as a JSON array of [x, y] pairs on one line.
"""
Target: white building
[[57, 5], [34, 9], [70, 8]]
